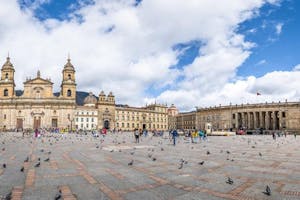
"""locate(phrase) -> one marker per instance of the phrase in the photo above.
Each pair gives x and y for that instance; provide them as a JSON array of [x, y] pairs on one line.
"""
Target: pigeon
[[27, 159], [149, 155], [181, 166], [228, 152], [4, 165], [97, 147], [8, 196], [260, 154], [42, 150], [130, 163], [46, 160], [201, 163], [207, 152], [229, 181], [132, 152], [162, 149], [37, 164], [185, 162], [39, 159], [268, 191], [153, 159], [22, 169], [49, 152], [58, 195], [112, 150]]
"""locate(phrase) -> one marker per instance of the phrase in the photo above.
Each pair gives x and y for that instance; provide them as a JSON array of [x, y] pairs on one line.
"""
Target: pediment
[[38, 81]]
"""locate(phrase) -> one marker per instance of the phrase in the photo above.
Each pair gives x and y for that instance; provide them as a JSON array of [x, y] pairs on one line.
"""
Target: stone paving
[[84, 167]]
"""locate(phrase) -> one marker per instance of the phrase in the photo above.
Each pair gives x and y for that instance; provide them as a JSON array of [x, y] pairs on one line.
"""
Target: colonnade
[[268, 120]]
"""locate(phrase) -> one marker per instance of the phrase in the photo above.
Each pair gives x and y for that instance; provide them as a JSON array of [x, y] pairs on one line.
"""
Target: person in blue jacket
[[174, 135]]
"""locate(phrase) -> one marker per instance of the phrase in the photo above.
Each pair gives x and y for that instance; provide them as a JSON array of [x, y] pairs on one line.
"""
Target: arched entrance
[[106, 124]]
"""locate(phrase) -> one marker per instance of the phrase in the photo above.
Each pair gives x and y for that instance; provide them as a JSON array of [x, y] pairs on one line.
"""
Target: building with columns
[[266, 116]]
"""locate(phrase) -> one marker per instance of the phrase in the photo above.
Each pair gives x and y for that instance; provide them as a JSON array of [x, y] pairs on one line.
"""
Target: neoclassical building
[[37, 106], [267, 116]]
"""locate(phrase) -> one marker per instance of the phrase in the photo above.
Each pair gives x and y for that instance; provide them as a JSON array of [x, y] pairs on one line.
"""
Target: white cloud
[[137, 52], [261, 62], [278, 28], [296, 68]]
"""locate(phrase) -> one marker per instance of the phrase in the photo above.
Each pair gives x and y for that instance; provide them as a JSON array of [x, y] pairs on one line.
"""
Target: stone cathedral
[[37, 107]]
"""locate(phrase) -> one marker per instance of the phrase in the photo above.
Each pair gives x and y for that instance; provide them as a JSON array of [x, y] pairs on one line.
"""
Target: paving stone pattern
[[84, 167]]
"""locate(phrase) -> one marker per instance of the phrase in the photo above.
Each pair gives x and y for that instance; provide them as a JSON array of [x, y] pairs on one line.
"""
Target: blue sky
[[188, 53], [273, 51]]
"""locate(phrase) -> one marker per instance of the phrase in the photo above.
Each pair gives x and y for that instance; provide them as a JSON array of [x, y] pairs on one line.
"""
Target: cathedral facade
[[37, 107]]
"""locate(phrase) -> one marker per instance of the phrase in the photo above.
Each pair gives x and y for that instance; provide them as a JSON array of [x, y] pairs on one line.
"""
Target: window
[[68, 116], [283, 114], [69, 76], [92, 119], [4, 116], [127, 125], [5, 92], [122, 125], [81, 125], [87, 125], [69, 93], [76, 119], [6, 76], [81, 119], [38, 94], [92, 125], [132, 125], [87, 119], [117, 124]]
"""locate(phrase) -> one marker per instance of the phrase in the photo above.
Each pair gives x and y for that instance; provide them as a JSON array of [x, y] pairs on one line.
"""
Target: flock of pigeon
[[117, 140]]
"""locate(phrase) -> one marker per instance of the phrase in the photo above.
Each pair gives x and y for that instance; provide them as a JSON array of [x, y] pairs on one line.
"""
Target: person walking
[[137, 135], [174, 135], [36, 132]]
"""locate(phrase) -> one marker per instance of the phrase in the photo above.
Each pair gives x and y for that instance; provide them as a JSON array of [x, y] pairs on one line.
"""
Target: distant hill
[[80, 96]]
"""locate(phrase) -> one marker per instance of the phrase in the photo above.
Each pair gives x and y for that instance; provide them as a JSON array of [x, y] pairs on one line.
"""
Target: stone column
[[261, 120], [255, 120], [274, 119], [279, 120], [249, 120], [237, 121], [267, 120]]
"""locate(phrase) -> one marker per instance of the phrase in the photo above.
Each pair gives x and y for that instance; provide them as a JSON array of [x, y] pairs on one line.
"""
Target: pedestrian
[[137, 135], [174, 135], [295, 135], [36, 132], [274, 135]]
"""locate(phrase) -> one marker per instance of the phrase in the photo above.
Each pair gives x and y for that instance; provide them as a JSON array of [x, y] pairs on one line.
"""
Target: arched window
[[5, 92], [69, 76], [6, 76], [69, 93]]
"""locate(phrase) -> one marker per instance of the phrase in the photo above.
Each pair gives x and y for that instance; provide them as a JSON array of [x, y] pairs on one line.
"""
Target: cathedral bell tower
[[68, 86], [7, 82]]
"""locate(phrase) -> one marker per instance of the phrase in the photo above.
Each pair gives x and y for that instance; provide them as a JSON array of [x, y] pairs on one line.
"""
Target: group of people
[[138, 133]]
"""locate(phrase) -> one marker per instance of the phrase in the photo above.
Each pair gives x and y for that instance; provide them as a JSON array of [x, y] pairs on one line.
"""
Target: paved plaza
[[84, 167]]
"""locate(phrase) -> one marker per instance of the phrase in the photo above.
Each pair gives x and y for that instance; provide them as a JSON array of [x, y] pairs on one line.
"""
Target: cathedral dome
[[68, 65], [90, 100], [7, 64]]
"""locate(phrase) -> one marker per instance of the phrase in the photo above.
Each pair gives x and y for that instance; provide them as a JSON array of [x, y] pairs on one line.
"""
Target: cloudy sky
[[187, 52]]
